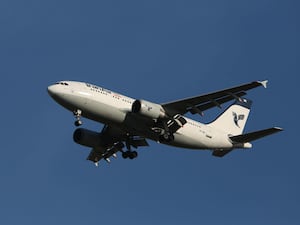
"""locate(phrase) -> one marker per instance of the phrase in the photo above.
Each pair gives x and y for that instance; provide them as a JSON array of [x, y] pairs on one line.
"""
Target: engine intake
[[148, 109], [87, 138]]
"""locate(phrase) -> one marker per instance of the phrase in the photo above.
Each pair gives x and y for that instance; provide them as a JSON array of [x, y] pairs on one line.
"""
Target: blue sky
[[159, 51]]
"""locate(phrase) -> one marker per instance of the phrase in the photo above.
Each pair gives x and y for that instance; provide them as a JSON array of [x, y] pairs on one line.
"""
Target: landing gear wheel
[[78, 123], [130, 155], [125, 155], [166, 137], [133, 155]]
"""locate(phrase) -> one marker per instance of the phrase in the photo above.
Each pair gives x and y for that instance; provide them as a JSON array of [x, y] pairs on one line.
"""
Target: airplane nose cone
[[51, 90], [55, 91]]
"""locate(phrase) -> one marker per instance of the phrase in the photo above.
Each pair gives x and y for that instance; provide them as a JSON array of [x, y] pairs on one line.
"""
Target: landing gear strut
[[166, 135], [77, 114], [129, 154]]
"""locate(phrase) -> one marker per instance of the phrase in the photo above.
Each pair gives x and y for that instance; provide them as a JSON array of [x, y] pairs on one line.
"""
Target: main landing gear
[[129, 154], [77, 113], [166, 137]]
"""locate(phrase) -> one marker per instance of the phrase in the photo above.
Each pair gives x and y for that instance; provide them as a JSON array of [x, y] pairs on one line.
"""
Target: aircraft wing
[[104, 153], [114, 138], [200, 103]]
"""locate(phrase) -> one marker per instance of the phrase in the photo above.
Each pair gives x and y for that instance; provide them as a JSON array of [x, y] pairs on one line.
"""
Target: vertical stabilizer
[[234, 118]]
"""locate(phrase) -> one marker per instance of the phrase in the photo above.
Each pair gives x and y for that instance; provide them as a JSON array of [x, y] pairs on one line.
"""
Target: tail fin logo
[[237, 118]]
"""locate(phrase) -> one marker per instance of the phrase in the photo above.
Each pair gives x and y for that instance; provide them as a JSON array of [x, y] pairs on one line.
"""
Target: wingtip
[[263, 83], [278, 128]]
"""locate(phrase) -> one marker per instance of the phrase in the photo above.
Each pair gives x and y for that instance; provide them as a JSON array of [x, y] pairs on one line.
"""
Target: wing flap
[[95, 156], [248, 137], [217, 102]]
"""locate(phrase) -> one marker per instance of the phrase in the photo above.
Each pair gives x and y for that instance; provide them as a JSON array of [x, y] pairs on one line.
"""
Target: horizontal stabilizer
[[244, 138]]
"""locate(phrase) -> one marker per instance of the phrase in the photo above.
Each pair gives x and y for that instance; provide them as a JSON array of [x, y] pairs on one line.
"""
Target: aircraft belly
[[183, 141], [103, 113]]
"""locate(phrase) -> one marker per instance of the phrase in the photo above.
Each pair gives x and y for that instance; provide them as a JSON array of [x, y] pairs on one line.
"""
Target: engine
[[148, 109], [87, 138]]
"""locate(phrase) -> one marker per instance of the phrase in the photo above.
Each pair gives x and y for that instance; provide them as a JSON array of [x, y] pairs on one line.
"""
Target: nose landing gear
[[77, 113]]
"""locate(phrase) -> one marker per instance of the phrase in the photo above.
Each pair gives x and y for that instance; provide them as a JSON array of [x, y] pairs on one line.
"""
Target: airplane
[[128, 122]]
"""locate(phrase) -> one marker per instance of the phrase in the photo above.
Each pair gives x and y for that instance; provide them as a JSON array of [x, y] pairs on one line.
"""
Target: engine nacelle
[[87, 138], [148, 109]]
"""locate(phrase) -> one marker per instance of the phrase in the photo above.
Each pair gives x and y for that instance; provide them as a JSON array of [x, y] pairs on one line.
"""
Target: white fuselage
[[111, 108]]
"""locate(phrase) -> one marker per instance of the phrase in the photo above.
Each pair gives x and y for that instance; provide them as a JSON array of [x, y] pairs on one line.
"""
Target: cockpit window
[[62, 83]]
